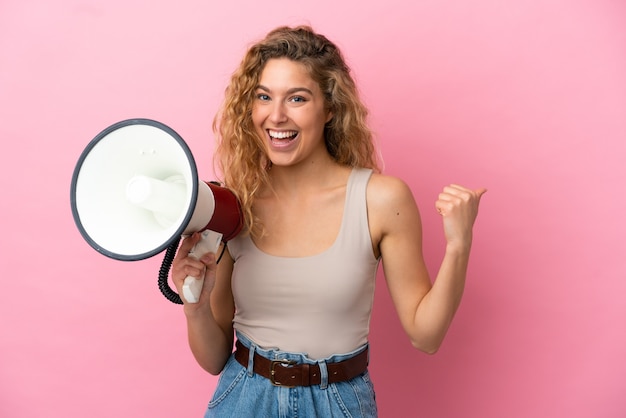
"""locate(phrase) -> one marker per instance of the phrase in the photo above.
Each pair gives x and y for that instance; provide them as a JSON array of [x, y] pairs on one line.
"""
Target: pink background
[[526, 98]]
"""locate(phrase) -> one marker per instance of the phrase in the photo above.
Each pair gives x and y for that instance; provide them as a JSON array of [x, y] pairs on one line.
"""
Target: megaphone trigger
[[209, 243]]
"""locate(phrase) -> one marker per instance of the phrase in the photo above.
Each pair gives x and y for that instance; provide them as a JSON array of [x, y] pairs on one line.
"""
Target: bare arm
[[425, 309], [209, 322]]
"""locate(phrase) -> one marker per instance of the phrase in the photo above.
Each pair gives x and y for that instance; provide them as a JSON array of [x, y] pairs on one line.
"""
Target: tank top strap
[[355, 227]]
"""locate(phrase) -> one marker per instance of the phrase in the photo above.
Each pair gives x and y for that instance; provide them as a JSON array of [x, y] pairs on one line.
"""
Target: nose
[[278, 113]]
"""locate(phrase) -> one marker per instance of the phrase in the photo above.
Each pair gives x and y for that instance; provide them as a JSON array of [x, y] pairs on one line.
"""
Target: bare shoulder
[[392, 210], [385, 192]]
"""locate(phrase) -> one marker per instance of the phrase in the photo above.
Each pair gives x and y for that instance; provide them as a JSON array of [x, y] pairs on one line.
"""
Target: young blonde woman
[[295, 290]]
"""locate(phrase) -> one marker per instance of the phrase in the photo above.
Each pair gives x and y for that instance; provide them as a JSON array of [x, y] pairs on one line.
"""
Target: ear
[[329, 116]]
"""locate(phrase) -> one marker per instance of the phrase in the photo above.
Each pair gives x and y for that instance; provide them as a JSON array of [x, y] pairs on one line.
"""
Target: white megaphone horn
[[135, 192]]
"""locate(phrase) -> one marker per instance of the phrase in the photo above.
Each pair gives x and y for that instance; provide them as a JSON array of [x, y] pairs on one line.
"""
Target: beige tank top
[[319, 305]]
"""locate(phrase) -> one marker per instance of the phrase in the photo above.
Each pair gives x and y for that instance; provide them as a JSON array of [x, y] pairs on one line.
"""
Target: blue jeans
[[241, 393]]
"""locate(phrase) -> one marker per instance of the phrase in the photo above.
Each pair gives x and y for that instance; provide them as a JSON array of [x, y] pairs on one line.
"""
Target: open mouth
[[282, 137]]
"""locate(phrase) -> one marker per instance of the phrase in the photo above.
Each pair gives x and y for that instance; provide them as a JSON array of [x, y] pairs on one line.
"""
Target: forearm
[[210, 344], [435, 312], [425, 309]]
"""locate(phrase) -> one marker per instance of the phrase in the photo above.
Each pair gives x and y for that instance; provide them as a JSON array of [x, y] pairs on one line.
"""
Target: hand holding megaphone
[[189, 267], [135, 192], [209, 243]]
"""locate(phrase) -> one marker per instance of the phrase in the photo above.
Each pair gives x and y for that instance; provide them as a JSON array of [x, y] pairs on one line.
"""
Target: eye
[[297, 99], [263, 97]]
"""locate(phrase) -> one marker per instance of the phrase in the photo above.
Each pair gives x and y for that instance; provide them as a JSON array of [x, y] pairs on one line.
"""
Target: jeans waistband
[[289, 369], [276, 353]]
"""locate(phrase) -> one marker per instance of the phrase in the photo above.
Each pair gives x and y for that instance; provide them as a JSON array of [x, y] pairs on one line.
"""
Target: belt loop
[[251, 352], [324, 375]]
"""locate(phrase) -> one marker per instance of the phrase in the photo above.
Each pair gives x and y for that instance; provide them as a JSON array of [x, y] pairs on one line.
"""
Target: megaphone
[[135, 191]]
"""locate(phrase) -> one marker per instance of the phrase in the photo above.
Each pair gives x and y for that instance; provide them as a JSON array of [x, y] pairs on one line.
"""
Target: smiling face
[[289, 113]]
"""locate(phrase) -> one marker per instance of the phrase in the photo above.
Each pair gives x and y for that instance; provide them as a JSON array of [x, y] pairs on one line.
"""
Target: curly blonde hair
[[240, 153]]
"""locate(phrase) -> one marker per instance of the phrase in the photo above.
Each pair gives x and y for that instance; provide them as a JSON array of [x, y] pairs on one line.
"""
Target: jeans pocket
[[230, 377], [356, 397]]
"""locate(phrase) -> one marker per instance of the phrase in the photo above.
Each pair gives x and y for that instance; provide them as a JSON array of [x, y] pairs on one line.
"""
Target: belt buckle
[[283, 363]]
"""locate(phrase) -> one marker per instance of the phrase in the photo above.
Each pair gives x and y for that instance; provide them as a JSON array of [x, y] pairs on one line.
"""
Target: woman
[[297, 287]]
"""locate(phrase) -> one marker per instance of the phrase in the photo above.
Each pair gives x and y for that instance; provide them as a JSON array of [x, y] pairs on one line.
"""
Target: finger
[[443, 206], [458, 190], [453, 197], [479, 191], [210, 266], [187, 266], [194, 271], [208, 260], [187, 245]]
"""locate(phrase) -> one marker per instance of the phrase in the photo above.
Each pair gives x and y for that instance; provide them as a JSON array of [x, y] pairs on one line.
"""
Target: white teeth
[[282, 134]]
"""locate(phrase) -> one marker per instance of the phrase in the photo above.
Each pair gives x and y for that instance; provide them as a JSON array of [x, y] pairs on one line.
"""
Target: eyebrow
[[290, 91]]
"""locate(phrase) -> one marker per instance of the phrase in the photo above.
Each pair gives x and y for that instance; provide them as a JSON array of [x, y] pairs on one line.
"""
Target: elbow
[[212, 362], [427, 347], [213, 369], [431, 350], [212, 366], [214, 372]]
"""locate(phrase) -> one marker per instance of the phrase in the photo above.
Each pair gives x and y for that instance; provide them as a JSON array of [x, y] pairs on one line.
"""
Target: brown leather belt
[[289, 374]]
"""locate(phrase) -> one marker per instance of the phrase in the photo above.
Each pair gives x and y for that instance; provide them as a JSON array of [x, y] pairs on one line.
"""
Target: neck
[[304, 178]]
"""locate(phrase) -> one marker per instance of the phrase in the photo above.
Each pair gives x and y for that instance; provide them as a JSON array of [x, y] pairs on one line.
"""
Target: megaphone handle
[[209, 242]]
